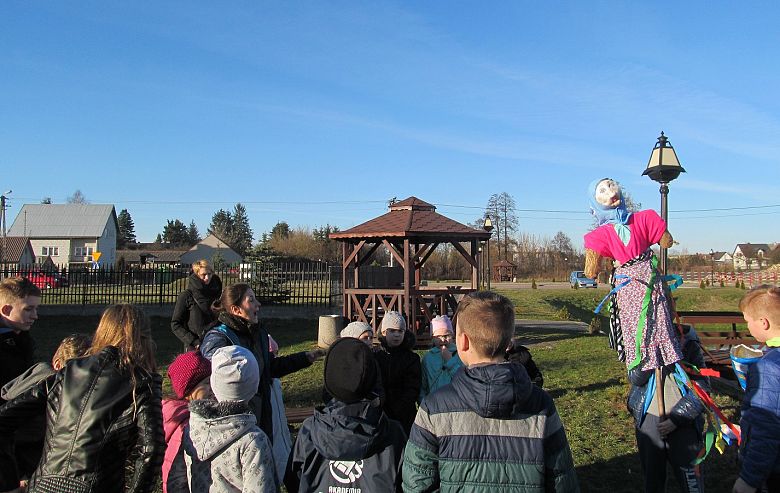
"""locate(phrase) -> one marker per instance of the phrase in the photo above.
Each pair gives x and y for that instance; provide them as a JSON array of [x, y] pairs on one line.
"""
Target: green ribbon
[[640, 329]]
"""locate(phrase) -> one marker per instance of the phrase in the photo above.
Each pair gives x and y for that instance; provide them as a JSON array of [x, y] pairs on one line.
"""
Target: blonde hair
[[202, 264], [73, 346], [13, 289], [488, 319], [764, 302]]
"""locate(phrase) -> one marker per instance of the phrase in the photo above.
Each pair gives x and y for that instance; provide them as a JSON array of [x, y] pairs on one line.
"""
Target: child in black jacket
[[401, 369]]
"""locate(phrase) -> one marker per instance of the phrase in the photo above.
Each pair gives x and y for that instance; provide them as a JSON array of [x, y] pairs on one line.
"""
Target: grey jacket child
[[225, 451]]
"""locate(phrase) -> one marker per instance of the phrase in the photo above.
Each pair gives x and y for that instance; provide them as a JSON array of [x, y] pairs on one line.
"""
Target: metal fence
[[279, 283]]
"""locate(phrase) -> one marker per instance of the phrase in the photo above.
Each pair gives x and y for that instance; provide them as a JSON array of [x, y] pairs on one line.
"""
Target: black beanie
[[350, 370]]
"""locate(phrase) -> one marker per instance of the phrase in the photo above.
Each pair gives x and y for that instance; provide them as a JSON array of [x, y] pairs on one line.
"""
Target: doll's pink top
[[646, 227]]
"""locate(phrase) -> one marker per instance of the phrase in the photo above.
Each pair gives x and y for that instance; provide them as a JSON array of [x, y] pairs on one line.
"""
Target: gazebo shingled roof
[[412, 217], [411, 231]]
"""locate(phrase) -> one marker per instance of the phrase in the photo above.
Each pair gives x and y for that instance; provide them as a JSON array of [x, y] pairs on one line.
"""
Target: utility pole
[[4, 247]]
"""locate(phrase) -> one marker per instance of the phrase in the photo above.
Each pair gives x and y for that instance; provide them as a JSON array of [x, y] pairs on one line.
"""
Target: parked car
[[577, 279], [46, 280]]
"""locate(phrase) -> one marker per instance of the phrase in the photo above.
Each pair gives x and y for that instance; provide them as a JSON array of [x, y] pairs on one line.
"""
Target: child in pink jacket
[[189, 374]]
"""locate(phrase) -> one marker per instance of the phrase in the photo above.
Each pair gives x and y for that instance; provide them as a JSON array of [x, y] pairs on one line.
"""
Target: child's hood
[[495, 390], [175, 414], [348, 431], [216, 425]]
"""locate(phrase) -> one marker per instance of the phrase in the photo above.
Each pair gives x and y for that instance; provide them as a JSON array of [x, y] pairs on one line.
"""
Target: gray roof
[[63, 220]]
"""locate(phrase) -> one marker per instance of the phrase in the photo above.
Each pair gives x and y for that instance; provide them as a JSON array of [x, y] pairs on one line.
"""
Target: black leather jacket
[[95, 420]]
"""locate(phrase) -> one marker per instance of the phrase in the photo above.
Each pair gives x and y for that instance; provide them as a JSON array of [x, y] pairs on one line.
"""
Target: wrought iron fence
[[282, 283]]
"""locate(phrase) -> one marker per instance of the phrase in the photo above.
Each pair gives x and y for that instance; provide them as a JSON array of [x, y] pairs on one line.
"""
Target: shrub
[[701, 284], [563, 314], [742, 284], [533, 284], [721, 283], [736, 284], [707, 282]]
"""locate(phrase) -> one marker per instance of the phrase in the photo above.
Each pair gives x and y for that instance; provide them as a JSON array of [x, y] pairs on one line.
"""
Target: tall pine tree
[[193, 235], [222, 225], [175, 234], [241, 239], [126, 235]]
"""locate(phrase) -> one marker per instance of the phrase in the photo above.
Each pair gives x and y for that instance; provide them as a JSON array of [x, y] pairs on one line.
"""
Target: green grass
[[580, 372]]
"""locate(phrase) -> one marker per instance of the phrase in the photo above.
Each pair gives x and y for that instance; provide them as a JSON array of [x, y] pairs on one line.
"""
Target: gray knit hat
[[356, 329], [393, 320], [235, 375]]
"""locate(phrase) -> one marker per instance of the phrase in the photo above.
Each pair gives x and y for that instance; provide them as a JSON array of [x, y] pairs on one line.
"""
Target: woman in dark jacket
[[237, 325], [192, 313], [103, 415]]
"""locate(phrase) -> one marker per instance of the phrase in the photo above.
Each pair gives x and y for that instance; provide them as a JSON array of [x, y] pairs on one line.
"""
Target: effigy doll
[[641, 328]]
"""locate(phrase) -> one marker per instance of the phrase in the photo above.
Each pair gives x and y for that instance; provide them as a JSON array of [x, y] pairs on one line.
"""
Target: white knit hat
[[356, 329], [393, 320], [235, 375]]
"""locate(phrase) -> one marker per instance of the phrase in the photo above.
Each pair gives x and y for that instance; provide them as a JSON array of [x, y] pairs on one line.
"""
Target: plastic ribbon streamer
[[678, 281], [614, 290]]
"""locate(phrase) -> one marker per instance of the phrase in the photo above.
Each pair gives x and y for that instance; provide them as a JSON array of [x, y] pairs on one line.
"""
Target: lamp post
[[663, 168], [488, 226], [712, 267]]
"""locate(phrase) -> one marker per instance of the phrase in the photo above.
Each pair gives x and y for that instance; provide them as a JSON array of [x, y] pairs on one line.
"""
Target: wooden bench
[[298, 414], [718, 344]]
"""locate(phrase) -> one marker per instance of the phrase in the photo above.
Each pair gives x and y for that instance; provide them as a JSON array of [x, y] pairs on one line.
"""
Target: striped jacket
[[492, 430]]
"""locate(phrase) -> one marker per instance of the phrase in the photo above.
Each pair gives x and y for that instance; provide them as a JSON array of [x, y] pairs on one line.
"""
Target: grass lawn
[[580, 372]]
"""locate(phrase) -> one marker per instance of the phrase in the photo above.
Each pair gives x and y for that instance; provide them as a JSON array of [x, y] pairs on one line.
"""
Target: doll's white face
[[608, 193]]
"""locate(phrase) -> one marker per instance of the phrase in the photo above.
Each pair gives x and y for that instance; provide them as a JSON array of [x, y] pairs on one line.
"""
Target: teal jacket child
[[436, 372]]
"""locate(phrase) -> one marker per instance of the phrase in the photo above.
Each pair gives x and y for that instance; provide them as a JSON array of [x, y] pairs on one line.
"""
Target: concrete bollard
[[329, 330]]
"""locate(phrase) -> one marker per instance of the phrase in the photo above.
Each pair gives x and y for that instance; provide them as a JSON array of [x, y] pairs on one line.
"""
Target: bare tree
[[77, 198], [502, 209]]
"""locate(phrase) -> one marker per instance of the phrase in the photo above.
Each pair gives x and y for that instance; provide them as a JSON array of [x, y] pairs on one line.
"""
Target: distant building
[[723, 258], [751, 256], [16, 251], [69, 233], [208, 248], [147, 257]]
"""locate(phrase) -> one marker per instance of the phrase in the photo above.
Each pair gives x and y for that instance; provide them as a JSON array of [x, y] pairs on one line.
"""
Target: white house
[[751, 255], [207, 248], [69, 233]]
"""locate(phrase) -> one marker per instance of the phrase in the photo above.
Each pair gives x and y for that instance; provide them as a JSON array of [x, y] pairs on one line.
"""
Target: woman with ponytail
[[103, 415], [238, 325]]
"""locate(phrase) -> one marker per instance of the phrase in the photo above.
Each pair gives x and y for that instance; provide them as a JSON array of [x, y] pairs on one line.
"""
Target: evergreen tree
[[280, 230], [46, 200], [175, 234], [193, 235], [222, 225], [241, 238], [126, 234]]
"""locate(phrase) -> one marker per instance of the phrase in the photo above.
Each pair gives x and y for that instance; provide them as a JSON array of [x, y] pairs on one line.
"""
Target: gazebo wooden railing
[[410, 232]]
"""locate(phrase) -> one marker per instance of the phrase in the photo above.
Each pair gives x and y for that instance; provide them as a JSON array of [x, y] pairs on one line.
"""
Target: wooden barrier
[[717, 344]]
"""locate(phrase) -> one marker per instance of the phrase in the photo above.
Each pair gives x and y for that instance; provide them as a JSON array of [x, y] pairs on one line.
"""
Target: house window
[[50, 250], [83, 252]]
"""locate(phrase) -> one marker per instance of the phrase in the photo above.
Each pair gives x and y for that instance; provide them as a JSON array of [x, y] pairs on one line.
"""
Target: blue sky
[[319, 112]]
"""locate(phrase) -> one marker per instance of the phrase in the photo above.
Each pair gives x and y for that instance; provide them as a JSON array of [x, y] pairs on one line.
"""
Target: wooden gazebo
[[410, 231], [503, 270]]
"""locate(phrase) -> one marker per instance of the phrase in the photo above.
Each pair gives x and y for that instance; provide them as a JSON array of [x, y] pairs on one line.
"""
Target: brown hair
[[73, 346], [127, 328], [17, 288], [202, 264], [762, 301], [231, 296], [489, 320]]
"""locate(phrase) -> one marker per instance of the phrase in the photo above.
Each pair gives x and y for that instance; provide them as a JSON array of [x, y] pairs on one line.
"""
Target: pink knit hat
[[186, 371], [441, 325]]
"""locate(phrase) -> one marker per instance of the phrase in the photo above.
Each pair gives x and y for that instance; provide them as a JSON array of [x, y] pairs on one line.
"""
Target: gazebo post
[[475, 280], [346, 310], [408, 281]]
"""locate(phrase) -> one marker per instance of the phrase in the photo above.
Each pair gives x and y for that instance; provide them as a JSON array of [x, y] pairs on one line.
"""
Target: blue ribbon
[[614, 290], [678, 280]]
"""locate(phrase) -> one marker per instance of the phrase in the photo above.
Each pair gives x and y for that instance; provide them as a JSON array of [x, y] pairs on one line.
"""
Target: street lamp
[[712, 267], [488, 226], [663, 167]]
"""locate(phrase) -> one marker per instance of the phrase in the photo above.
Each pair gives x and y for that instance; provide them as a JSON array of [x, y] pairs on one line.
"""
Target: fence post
[[160, 277], [84, 282]]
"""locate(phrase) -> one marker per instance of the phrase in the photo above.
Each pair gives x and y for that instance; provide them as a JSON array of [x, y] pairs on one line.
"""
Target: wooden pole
[[659, 393]]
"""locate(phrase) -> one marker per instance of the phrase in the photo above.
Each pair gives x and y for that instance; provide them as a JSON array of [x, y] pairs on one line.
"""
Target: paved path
[[551, 325]]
